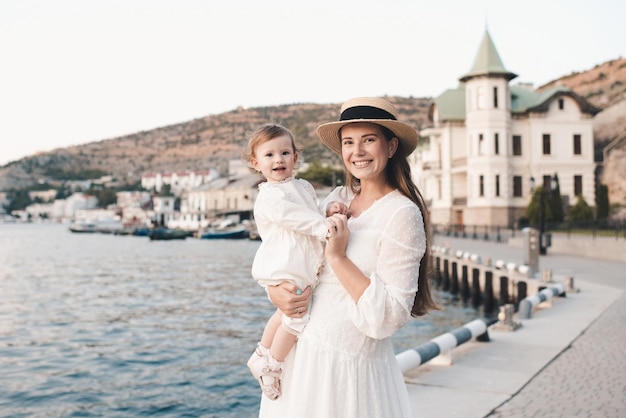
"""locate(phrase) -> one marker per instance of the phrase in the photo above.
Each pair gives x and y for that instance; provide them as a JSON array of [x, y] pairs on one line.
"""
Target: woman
[[374, 277]]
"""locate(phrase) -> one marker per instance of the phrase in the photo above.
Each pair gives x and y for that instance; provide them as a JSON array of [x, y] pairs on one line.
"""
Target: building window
[[517, 186], [577, 145], [495, 97], [546, 144], [480, 98], [561, 104], [497, 185], [496, 144], [480, 144], [517, 145], [578, 185], [481, 186]]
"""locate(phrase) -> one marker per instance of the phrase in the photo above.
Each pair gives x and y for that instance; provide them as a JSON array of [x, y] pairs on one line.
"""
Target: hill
[[208, 142], [211, 141], [604, 86]]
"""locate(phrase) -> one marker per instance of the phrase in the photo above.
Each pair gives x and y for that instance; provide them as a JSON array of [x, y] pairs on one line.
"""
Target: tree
[[317, 173], [602, 202], [105, 196], [581, 211], [533, 210], [18, 200], [555, 202]]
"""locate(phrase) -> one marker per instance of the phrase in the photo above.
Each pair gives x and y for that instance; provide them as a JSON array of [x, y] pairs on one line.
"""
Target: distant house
[[164, 210], [68, 208], [40, 210], [227, 196], [135, 199], [43, 195], [179, 181], [489, 140]]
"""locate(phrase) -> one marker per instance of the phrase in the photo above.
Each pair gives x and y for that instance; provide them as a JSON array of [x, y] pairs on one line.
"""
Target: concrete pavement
[[567, 360]]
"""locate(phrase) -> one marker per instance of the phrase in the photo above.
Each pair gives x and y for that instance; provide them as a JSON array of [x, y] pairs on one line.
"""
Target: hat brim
[[407, 136]]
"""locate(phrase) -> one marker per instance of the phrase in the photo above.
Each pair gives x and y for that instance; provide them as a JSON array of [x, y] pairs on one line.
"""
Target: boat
[[224, 230], [163, 234], [83, 227], [109, 226], [142, 232]]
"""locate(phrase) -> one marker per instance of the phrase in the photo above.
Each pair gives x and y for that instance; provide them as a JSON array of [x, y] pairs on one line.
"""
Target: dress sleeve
[[386, 304], [276, 207]]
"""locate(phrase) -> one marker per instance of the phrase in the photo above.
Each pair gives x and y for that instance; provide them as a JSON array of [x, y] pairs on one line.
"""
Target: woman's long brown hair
[[398, 174]]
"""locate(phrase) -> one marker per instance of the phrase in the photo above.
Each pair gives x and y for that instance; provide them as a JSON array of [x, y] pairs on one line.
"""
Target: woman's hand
[[338, 235], [286, 298], [351, 278]]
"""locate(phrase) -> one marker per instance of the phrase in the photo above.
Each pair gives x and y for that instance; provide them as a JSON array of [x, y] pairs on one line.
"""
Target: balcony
[[459, 162], [459, 201], [431, 165]]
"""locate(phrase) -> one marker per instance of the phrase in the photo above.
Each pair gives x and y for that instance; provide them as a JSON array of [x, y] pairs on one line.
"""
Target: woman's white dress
[[344, 365]]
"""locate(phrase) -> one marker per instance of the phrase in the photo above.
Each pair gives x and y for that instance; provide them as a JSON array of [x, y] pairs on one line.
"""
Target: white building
[[67, 208], [223, 196], [40, 210], [43, 195], [178, 181], [488, 139], [135, 199], [164, 210]]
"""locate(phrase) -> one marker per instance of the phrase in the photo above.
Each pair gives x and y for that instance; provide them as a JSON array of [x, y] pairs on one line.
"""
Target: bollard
[[529, 303], [524, 270], [547, 275], [569, 285], [465, 289], [488, 300], [442, 344], [476, 293], [504, 290], [506, 322], [454, 280], [446, 275]]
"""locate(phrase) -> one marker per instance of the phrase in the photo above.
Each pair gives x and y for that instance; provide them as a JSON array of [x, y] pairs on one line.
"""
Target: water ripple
[[99, 325]]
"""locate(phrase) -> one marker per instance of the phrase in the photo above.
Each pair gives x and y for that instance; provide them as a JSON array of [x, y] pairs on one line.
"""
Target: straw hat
[[369, 109]]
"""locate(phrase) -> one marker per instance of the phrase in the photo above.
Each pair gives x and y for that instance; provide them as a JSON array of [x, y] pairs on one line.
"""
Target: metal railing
[[614, 229]]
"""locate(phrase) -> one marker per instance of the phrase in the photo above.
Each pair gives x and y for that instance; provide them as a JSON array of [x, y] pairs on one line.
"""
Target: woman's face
[[365, 150]]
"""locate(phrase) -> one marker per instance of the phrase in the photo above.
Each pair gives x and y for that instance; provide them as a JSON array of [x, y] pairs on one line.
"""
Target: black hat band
[[365, 112]]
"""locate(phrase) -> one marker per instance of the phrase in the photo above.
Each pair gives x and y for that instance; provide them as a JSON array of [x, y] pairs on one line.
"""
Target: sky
[[78, 71]]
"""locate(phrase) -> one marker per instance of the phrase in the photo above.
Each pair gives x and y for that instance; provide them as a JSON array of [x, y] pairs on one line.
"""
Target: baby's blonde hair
[[266, 132]]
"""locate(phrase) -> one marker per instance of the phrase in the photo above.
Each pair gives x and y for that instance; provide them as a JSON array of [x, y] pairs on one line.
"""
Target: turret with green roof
[[488, 62]]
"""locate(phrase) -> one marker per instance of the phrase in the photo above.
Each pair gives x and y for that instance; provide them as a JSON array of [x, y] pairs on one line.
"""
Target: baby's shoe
[[258, 353], [268, 371]]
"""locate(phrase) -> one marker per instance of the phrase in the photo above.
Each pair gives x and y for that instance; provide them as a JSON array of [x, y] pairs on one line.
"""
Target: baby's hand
[[337, 207]]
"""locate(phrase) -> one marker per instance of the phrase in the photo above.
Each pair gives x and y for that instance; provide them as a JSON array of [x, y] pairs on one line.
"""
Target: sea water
[[97, 325]]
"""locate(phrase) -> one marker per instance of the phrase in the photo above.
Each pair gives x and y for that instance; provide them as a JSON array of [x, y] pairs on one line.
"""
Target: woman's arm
[[285, 297], [350, 276], [383, 300]]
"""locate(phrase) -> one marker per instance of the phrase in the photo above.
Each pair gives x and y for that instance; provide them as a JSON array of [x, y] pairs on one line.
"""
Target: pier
[[566, 358]]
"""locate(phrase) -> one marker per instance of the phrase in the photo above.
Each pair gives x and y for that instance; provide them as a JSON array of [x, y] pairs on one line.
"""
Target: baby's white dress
[[292, 229], [343, 364]]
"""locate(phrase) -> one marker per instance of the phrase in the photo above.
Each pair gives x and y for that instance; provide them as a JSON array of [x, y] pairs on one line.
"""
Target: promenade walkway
[[568, 360]]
